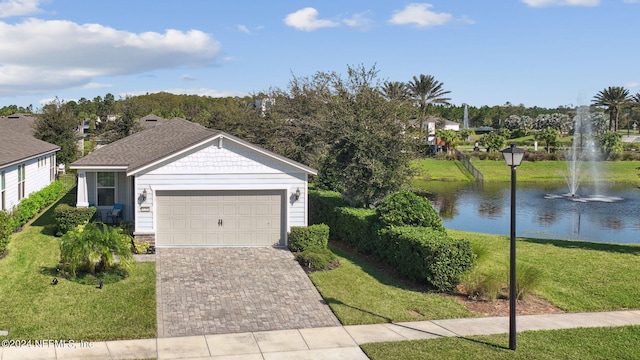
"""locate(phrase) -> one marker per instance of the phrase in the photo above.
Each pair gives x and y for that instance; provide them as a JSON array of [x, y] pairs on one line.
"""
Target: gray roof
[[17, 142], [22, 123], [157, 142]]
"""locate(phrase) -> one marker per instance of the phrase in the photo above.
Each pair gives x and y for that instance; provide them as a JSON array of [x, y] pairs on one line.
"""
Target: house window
[[21, 181], [52, 168], [2, 187], [106, 188]]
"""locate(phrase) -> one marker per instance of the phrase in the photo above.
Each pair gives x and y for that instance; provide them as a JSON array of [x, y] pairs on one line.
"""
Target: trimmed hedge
[[27, 209], [405, 208], [301, 238], [69, 217], [31, 206], [425, 254]]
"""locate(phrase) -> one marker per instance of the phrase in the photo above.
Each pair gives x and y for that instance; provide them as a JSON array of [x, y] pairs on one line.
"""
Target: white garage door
[[219, 218]]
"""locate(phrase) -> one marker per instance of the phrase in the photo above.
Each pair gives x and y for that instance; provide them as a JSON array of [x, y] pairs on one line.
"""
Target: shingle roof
[[15, 146], [160, 141], [148, 145], [21, 123]]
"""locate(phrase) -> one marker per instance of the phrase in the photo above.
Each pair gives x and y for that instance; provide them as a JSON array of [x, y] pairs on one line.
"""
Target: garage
[[220, 218]]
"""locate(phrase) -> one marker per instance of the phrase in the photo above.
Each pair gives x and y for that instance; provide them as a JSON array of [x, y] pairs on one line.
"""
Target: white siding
[[37, 176], [230, 167]]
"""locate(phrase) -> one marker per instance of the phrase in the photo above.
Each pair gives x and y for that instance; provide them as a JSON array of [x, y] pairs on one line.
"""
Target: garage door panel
[[191, 218]]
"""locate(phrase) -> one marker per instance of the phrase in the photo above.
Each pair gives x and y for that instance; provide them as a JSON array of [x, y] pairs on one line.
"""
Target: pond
[[485, 208]]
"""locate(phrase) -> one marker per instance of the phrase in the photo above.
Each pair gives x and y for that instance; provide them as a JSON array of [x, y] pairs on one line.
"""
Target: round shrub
[[405, 208], [317, 258]]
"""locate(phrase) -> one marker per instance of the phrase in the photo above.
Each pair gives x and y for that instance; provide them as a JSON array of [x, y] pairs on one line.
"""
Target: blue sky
[[533, 52]]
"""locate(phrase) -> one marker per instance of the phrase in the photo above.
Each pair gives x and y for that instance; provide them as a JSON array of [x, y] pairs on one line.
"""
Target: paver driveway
[[228, 290]]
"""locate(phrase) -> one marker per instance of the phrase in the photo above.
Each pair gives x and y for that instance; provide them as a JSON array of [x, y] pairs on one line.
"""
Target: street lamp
[[513, 157]]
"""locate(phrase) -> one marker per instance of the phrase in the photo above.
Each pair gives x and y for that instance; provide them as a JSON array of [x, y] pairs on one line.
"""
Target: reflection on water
[[486, 208]]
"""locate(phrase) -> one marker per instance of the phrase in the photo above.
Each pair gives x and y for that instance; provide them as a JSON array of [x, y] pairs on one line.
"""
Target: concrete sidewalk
[[339, 342]]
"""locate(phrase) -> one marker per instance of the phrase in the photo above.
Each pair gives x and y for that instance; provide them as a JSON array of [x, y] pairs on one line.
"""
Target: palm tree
[[426, 91], [395, 90], [614, 98]]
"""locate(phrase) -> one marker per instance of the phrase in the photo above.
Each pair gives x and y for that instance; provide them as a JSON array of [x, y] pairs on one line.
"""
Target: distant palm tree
[[636, 97], [427, 91], [395, 90], [614, 98]]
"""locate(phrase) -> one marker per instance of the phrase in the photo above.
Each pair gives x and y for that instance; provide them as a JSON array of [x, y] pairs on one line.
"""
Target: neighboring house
[[27, 164], [182, 184]]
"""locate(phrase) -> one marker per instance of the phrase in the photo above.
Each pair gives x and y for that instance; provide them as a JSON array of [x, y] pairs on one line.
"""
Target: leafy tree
[[395, 90], [610, 143], [126, 122], [57, 125], [427, 91], [548, 136], [614, 98], [450, 137], [93, 247], [493, 141]]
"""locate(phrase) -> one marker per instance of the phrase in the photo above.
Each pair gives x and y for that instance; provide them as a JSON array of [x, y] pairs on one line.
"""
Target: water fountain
[[583, 162]]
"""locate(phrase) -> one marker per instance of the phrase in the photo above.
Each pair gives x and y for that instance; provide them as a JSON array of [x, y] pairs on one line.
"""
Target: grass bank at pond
[[359, 293], [32, 308], [591, 343], [540, 171], [578, 276]]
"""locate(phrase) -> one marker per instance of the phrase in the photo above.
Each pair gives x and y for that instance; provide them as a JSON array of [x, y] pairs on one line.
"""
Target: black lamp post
[[513, 157]]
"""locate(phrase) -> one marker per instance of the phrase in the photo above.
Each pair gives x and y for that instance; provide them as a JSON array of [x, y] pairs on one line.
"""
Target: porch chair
[[114, 216]]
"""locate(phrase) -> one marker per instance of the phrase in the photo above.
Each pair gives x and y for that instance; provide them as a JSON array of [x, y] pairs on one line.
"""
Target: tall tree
[[395, 90], [57, 125], [614, 98], [427, 91]]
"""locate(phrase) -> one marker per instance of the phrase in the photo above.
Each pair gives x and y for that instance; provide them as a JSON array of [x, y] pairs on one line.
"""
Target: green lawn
[[359, 293], [540, 171], [32, 308], [591, 343], [579, 276]]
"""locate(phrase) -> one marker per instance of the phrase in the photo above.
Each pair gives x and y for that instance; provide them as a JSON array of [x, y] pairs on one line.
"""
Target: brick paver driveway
[[229, 290]]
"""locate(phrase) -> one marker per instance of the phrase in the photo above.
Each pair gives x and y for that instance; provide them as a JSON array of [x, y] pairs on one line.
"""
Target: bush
[[425, 254], [357, 227], [483, 283], [528, 278], [322, 205], [405, 208], [32, 205], [317, 258], [92, 248], [69, 217], [301, 238]]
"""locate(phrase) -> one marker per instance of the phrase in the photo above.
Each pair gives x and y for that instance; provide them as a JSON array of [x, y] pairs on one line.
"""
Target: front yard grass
[[33, 308], [585, 343], [578, 276], [359, 293]]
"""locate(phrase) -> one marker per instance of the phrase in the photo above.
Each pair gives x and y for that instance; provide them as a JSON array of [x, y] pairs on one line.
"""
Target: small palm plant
[[94, 247]]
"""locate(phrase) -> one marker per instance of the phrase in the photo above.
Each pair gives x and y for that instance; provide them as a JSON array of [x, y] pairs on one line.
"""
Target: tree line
[[358, 130]]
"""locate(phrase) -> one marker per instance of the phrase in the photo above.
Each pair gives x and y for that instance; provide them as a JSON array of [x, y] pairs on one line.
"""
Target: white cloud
[[38, 55], [11, 8], [244, 29], [545, 3], [633, 84], [419, 15], [360, 20], [93, 85], [187, 77], [307, 20]]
